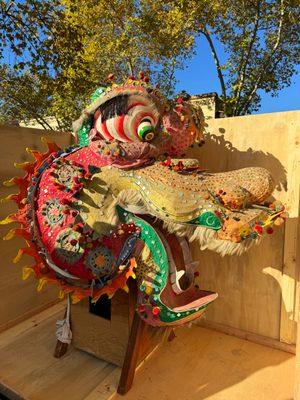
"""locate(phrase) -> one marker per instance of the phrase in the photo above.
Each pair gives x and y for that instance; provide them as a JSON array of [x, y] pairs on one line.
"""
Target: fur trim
[[207, 238]]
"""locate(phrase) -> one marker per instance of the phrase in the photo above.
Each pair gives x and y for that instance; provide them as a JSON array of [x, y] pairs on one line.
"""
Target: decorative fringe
[[63, 328], [132, 201]]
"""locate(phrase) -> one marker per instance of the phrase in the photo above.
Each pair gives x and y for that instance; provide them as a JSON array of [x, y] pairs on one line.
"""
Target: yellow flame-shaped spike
[[44, 140], [7, 220], [75, 298], [125, 288], [133, 275], [22, 165], [18, 256], [9, 235], [41, 283], [52, 146], [11, 182], [26, 272], [7, 198], [61, 294]]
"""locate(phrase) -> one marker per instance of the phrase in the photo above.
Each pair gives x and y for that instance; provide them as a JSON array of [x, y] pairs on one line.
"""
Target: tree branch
[[244, 63], [35, 115], [242, 110], [216, 60]]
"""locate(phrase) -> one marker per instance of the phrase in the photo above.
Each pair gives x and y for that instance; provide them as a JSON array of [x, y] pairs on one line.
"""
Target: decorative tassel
[[63, 328]]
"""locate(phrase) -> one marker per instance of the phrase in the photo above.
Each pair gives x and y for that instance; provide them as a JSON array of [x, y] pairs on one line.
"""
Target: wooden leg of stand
[[132, 353], [60, 349], [171, 335]]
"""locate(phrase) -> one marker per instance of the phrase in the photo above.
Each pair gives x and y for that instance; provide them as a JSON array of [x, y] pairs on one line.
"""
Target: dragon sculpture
[[124, 202]]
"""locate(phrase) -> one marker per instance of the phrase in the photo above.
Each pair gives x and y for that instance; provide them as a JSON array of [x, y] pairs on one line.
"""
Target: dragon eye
[[146, 130]]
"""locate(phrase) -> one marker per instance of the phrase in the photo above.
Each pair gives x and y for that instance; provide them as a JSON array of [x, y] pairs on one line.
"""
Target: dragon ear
[[191, 115]]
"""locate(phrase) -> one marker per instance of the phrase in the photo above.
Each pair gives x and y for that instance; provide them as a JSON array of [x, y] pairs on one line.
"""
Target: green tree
[[83, 41], [66, 48], [262, 41]]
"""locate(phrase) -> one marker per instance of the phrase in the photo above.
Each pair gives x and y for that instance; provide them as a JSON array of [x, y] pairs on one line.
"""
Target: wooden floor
[[27, 365], [198, 364]]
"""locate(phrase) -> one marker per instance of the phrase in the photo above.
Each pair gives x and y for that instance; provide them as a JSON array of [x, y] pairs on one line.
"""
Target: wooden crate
[[106, 338]]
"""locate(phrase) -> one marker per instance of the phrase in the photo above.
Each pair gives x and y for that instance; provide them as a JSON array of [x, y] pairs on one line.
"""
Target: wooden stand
[[115, 333], [132, 354]]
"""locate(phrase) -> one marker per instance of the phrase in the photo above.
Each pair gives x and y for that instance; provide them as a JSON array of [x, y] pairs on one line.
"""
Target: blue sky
[[199, 76]]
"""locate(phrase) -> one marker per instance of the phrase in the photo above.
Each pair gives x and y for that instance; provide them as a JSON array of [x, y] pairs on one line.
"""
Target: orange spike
[[7, 198], [17, 181], [18, 256], [26, 272], [52, 147], [9, 219], [26, 166], [17, 232], [21, 216], [29, 251], [14, 197], [36, 154], [41, 283], [9, 183]]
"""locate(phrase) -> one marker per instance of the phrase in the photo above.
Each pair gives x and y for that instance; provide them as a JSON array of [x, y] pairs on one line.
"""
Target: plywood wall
[[257, 291], [19, 298]]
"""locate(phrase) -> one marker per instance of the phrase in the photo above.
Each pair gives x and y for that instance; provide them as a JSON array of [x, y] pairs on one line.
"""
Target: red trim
[[104, 127], [120, 127], [134, 105]]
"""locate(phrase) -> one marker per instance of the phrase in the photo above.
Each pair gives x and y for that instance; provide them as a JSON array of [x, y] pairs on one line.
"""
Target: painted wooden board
[[19, 298], [257, 291]]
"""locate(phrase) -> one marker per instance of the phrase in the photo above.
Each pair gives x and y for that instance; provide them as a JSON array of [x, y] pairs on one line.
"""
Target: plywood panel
[[19, 298], [257, 290]]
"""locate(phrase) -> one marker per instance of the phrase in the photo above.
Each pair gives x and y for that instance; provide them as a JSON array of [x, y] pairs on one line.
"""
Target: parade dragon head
[[125, 203]]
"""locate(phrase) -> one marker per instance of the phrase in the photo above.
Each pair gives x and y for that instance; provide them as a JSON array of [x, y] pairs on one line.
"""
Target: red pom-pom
[[146, 79], [179, 100], [258, 229], [155, 310], [141, 75], [270, 231], [141, 308], [131, 77]]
